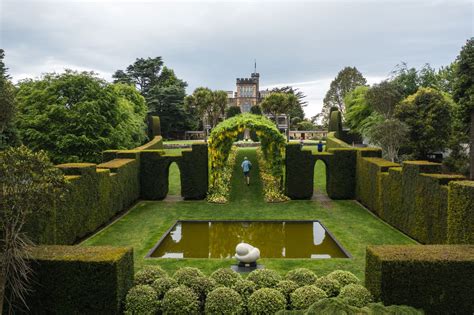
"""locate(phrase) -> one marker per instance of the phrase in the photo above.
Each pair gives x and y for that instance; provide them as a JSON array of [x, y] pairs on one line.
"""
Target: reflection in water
[[217, 239]]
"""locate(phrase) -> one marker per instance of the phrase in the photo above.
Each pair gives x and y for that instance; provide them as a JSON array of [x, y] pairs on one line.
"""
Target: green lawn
[[352, 225]]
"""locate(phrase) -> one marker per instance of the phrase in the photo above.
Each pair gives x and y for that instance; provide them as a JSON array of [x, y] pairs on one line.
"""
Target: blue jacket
[[246, 165]]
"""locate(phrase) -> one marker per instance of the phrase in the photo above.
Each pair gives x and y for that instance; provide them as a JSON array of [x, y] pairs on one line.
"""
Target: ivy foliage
[[223, 136]]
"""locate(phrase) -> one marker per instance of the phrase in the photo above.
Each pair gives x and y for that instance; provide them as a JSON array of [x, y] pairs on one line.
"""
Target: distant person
[[320, 146], [246, 166]]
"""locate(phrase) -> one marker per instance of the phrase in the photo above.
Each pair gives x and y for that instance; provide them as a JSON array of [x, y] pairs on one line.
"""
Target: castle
[[247, 93]]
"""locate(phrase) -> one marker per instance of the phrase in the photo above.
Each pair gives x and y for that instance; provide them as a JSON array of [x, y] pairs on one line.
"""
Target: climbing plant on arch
[[220, 144]]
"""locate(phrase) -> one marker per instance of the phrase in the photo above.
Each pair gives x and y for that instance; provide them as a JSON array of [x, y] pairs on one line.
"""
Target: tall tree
[[428, 115], [346, 80], [164, 92], [7, 104], [75, 116], [277, 104], [358, 109], [389, 134], [209, 105], [297, 110], [29, 183], [144, 73], [464, 92], [8, 132], [384, 97]]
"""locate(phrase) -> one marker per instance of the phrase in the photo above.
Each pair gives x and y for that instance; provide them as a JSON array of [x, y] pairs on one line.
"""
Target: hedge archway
[[224, 134]]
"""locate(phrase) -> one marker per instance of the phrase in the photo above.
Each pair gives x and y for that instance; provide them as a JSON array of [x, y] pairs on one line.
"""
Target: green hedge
[[96, 194], [461, 212], [335, 122], [332, 142], [299, 172], [80, 280], [154, 126], [193, 166], [436, 278], [341, 174]]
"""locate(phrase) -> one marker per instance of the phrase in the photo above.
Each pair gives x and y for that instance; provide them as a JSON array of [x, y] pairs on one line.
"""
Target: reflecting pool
[[275, 239]]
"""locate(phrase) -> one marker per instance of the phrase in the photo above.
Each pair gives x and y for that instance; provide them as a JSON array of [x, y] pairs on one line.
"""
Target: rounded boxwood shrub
[[163, 285], [183, 275], [344, 277], [226, 276], [180, 300], [264, 278], [328, 285], [223, 300], [286, 287], [201, 286], [141, 299], [245, 288], [356, 295], [302, 276], [266, 301], [304, 297], [149, 274], [333, 306]]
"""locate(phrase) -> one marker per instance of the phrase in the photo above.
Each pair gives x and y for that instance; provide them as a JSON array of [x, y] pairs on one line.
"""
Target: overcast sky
[[211, 43]]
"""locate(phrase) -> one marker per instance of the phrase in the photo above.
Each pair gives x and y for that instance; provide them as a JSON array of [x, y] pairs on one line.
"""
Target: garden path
[[240, 192]]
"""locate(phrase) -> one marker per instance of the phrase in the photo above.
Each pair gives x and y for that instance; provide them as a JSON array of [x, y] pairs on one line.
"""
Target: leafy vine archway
[[223, 136]]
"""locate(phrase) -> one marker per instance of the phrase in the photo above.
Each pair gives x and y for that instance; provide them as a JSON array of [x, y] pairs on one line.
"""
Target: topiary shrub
[[264, 278], [180, 300], [356, 295], [163, 285], [266, 301], [224, 300], [141, 299], [149, 274], [201, 286], [226, 276], [302, 276], [344, 277], [333, 306], [286, 287], [304, 297], [183, 275], [245, 288], [328, 285]]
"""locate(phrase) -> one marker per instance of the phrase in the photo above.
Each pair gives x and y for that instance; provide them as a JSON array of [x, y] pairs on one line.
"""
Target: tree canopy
[[163, 91], [8, 134], [297, 109], [278, 103], [209, 105], [428, 115], [346, 80], [74, 116]]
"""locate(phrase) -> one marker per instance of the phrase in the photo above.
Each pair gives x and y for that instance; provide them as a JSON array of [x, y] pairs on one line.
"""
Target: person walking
[[246, 166], [320, 146]]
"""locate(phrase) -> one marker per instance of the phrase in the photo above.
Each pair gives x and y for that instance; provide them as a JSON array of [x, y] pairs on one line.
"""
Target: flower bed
[[272, 185]]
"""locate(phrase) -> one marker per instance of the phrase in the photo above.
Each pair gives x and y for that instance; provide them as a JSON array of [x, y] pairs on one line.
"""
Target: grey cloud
[[212, 43]]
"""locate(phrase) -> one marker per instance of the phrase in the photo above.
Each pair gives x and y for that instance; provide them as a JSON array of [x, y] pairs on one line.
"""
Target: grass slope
[[352, 225]]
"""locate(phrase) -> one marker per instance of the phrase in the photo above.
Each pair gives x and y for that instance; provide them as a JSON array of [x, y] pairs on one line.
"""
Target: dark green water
[[217, 239]]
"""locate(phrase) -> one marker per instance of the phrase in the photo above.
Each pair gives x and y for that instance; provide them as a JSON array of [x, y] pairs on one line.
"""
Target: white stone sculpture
[[247, 254]]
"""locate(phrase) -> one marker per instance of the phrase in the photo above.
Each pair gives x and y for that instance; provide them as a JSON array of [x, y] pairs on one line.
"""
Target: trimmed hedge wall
[[415, 197], [461, 212], [97, 193], [80, 280], [193, 166], [436, 278], [299, 172], [154, 126]]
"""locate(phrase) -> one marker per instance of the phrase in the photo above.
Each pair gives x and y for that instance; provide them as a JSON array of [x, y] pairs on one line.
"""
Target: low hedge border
[[80, 280], [436, 278]]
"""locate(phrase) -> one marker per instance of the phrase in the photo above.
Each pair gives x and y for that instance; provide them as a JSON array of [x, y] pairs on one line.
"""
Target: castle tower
[[248, 92]]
